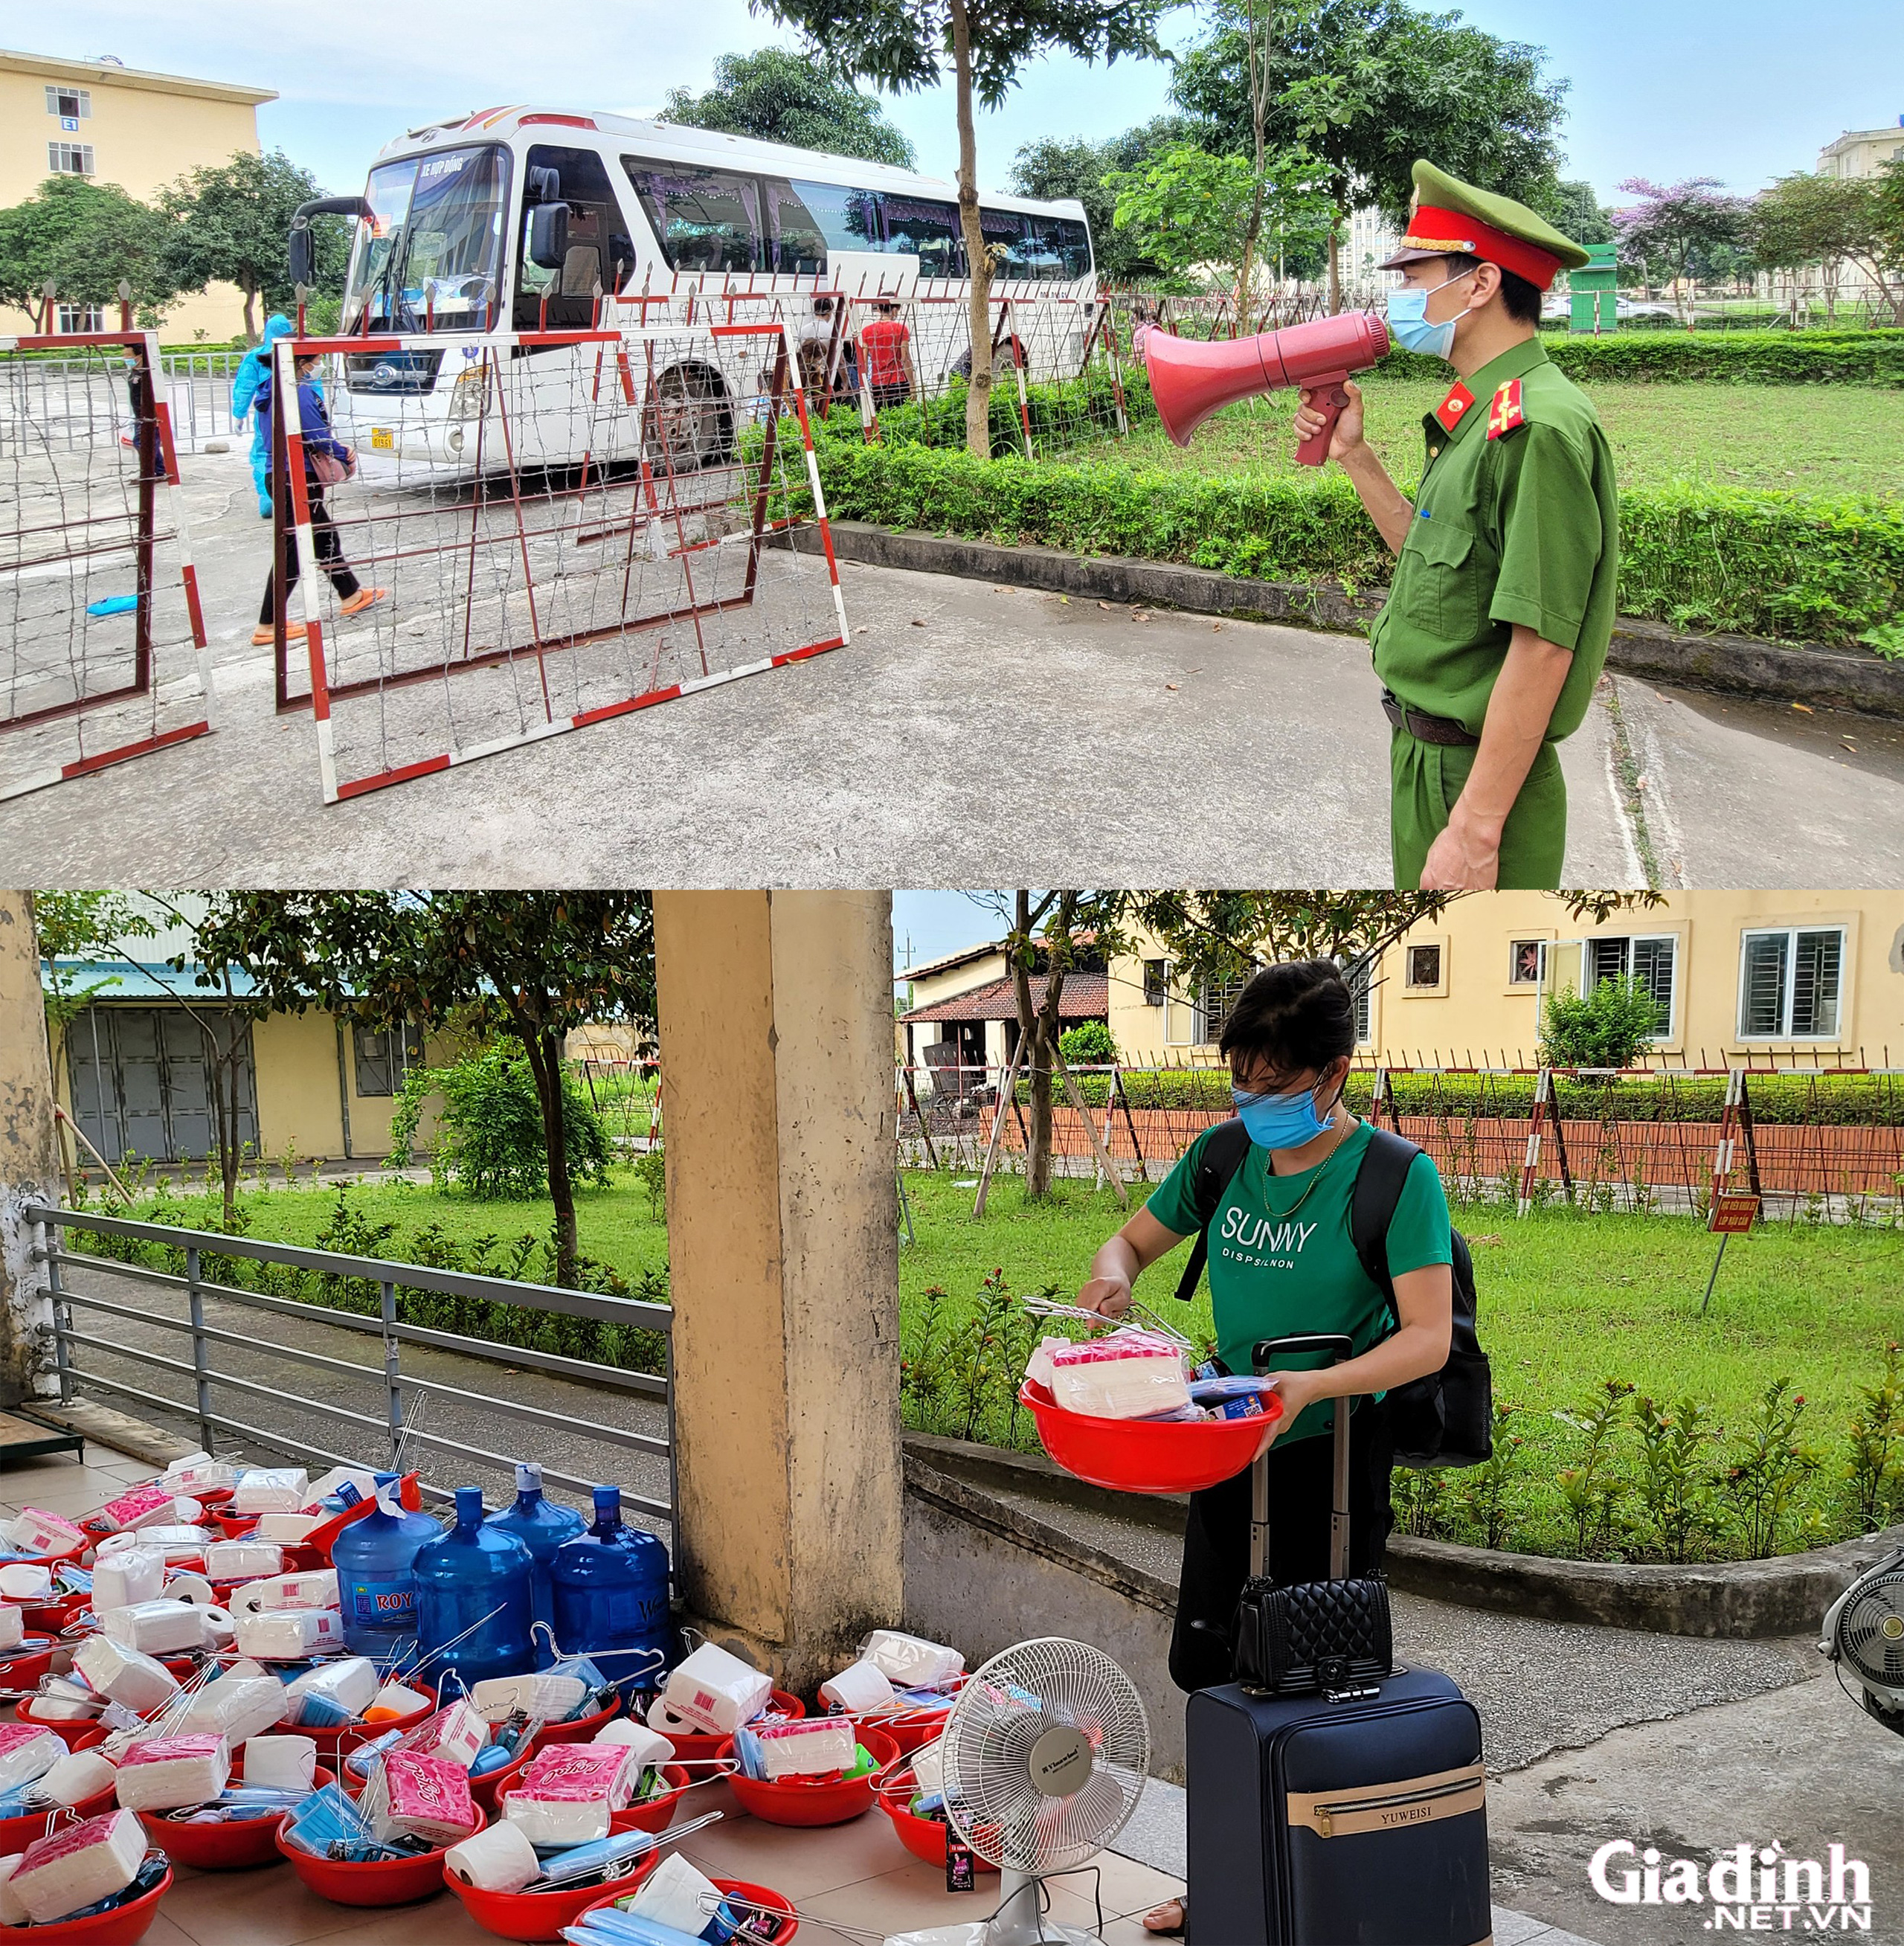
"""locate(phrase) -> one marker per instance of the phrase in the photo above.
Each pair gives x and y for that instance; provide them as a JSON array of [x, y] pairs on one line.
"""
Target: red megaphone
[[1191, 378]]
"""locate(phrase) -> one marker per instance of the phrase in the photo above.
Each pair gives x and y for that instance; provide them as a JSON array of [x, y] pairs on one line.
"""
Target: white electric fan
[[1043, 1754], [1866, 1630]]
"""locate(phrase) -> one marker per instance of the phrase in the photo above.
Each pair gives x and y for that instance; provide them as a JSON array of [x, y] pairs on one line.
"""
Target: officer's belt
[[1425, 728]]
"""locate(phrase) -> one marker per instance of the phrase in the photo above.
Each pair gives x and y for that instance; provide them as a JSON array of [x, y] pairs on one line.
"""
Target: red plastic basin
[[692, 1749], [582, 1730], [384, 1882], [656, 1813], [120, 1927], [28, 1663], [924, 1837], [73, 1731], [17, 1833], [800, 1801], [762, 1897], [1136, 1456], [221, 1847], [540, 1915], [483, 1789]]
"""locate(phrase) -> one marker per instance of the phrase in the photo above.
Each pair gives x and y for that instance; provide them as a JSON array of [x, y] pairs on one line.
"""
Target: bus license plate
[[383, 438]]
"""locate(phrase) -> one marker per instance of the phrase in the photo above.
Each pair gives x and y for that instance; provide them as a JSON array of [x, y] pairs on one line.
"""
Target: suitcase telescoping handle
[[1269, 1356]]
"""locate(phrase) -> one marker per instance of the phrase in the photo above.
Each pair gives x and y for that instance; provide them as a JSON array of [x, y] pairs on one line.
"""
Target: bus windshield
[[434, 259]]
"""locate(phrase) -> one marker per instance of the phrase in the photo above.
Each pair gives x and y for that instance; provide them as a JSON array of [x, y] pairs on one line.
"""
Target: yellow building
[[1786, 978], [115, 124]]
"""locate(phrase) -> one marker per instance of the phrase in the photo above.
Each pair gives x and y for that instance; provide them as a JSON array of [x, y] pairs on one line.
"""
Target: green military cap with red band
[[1450, 218]]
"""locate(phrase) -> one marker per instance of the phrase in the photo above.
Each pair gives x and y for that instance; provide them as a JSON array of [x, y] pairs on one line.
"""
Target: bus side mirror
[[303, 246], [548, 235]]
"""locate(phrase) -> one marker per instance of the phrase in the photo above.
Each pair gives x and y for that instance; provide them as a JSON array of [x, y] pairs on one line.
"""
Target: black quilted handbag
[[1332, 1638]]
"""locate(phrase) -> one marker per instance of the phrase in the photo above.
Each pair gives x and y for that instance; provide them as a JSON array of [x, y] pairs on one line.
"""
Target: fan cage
[[1861, 1639], [1003, 1709]]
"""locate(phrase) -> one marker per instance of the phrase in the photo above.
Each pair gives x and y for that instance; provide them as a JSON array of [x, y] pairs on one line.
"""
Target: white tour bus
[[513, 219]]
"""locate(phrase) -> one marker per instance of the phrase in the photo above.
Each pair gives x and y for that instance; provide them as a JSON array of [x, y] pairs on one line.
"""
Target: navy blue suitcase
[[1359, 1820], [1320, 1823]]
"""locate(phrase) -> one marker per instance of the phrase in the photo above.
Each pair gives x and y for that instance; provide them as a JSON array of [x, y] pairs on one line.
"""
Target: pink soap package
[[569, 1791], [1131, 1374], [423, 1797]]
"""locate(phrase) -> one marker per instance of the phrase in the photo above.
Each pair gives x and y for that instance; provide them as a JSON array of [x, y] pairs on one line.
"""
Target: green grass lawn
[[1568, 1301], [1814, 438]]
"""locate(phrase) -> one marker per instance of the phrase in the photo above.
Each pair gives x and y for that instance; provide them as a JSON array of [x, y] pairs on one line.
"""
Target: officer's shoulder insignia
[[1455, 407], [1506, 411]]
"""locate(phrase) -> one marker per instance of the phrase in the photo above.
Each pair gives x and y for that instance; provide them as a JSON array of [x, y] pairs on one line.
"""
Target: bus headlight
[[470, 399], [454, 441]]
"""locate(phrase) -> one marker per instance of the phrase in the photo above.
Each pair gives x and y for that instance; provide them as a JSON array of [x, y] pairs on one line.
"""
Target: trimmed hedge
[[1778, 1100], [1710, 357], [1761, 562]]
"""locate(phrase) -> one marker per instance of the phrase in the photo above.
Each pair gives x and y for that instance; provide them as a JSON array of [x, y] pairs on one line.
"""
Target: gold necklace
[[1270, 1174]]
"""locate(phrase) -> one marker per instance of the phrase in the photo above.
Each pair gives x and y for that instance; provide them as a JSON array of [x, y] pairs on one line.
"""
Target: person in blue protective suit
[[254, 369], [327, 460]]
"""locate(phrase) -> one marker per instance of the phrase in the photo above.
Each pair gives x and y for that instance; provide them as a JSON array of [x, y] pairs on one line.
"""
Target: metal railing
[[61, 403], [401, 1425]]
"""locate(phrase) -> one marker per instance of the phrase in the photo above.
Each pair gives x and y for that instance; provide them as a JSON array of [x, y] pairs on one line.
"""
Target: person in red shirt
[[886, 348]]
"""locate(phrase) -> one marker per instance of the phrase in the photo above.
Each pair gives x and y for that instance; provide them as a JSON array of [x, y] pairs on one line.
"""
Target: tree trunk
[[1038, 1162], [1335, 263], [978, 392], [545, 1053], [251, 325]]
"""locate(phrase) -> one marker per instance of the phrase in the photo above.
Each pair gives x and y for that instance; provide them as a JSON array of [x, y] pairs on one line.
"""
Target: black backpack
[[1445, 1419]]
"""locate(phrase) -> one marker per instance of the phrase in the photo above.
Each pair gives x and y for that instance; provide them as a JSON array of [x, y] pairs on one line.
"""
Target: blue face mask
[[1280, 1121], [1408, 319]]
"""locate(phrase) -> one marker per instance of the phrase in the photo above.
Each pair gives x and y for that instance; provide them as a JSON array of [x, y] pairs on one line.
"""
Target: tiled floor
[[852, 1883]]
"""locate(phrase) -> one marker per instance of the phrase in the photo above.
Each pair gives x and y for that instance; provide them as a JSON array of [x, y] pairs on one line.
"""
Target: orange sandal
[[362, 599], [264, 637]]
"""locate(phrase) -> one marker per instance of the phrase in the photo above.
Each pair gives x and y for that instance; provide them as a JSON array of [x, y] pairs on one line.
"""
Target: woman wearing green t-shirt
[[1281, 1262]]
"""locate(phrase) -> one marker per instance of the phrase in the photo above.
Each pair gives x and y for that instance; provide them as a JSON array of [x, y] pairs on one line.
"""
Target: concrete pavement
[[967, 733]]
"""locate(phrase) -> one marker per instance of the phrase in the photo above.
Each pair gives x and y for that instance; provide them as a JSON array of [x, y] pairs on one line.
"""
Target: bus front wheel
[[690, 419]]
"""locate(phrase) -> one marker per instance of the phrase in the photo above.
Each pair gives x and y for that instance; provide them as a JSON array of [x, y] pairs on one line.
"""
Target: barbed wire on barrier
[[566, 526], [104, 655], [1522, 1137]]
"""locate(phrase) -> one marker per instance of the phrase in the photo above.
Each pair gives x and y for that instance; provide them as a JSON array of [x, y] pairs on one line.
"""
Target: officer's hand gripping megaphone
[[1190, 378]]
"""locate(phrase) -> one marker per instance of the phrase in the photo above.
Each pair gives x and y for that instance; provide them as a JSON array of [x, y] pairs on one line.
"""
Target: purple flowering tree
[[1669, 225]]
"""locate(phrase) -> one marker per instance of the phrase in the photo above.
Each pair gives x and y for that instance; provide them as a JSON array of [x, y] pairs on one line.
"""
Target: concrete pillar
[[777, 1062], [30, 1148]]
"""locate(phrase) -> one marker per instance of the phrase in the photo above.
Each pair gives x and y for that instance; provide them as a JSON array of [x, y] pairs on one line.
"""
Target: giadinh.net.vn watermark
[[1749, 1888]]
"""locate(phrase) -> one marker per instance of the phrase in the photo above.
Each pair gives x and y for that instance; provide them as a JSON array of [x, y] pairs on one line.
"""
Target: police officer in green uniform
[[1497, 622]]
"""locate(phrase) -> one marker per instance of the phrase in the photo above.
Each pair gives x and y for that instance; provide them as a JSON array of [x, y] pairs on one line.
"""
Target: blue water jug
[[376, 1589], [611, 1597], [542, 1525], [473, 1590]]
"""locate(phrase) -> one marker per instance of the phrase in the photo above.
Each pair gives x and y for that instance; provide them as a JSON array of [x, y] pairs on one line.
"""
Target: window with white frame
[[70, 159], [1791, 983], [69, 319], [72, 105], [1651, 959]]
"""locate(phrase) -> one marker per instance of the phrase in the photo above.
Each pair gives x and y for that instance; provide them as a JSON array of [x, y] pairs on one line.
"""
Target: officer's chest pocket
[[1438, 580]]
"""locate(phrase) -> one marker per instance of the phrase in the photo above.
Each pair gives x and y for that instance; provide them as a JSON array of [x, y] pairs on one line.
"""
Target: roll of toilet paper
[[284, 1763], [649, 1747], [859, 1689], [671, 1722], [497, 1859], [76, 1776]]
